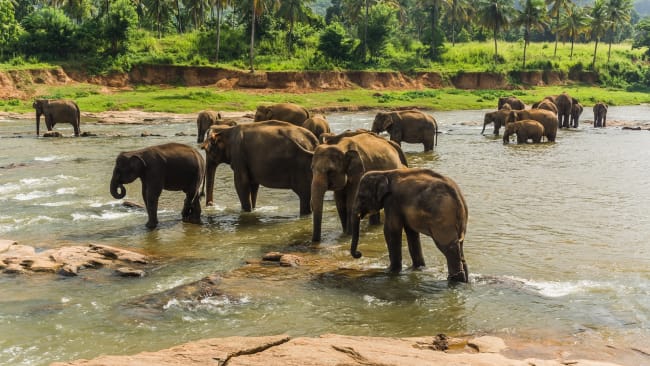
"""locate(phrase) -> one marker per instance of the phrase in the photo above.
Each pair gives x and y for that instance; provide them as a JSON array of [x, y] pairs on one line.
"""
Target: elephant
[[410, 126], [57, 111], [287, 112], [564, 103], [547, 118], [205, 120], [600, 114], [497, 117], [171, 166], [275, 154], [576, 111], [525, 129], [415, 200], [514, 102], [338, 164], [317, 124], [546, 104]]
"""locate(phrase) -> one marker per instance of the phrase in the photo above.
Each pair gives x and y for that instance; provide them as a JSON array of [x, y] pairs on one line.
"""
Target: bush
[[49, 34]]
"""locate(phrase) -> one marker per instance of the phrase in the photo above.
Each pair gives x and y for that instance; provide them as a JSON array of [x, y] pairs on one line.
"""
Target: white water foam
[[105, 215], [48, 158], [558, 288]]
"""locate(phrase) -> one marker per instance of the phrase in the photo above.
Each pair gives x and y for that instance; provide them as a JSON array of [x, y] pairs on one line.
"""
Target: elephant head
[[216, 152], [373, 188], [128, 167], [496, 117], [332, 169], [263, 113], [382, 122], [39, 105]]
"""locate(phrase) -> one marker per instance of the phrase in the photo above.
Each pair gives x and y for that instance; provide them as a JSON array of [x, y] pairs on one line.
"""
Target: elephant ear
[[381, 188], [354, 164], [137, 164], [512, 117], [388, 120]]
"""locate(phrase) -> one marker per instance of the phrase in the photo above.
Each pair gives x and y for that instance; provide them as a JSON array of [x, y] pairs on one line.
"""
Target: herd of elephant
[[288, 148], [543, 119]]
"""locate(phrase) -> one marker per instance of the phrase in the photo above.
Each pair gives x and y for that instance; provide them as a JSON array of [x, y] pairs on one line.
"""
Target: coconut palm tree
[[599, 25], [618, 13], [458, 10], [160, 12], [220, 5], [292, 11], [558, 7], [495, 15], [575, 23], [531, 16]]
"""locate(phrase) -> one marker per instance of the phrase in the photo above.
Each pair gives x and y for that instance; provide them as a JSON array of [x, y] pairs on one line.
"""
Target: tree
[[598, 25], [292, 11], [255, 9], [381, 25], [197, 10], [353, 9], [159, 11], [642, 35], [618, 13], [119, 26], [49, 34], [556, 11], [458, 10], [334, 43], [574, 24], [220, 5], [496, 15], [531, 16], [9, 27]]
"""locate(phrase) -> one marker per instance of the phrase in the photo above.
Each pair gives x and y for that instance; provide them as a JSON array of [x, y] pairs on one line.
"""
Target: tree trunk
[[252, 48], [178, 12], [218, 28], [557, 24], [593, 63]]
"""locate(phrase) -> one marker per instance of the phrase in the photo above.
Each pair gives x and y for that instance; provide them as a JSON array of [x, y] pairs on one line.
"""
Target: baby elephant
[[410, 126], [600, 114], [415, 201], [172, 166], [525, 129]]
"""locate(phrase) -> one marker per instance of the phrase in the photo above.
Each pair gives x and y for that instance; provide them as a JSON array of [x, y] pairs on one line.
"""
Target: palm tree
[[599, 25], [220, 5], [256, 8], [496, 15], [354, 8], [160, 12], [618, 12], [531, 16], [292, 11], [557, 6], [458, 10], [197, 10], [575, 23]]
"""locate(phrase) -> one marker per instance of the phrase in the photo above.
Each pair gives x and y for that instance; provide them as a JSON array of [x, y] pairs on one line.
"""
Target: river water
[[558, 245]]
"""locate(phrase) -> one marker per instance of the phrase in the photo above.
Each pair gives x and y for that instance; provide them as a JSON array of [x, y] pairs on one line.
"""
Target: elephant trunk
[[355, 237], [318, 189], [210, 170], [484, 124], [38, 124], [117, 188]]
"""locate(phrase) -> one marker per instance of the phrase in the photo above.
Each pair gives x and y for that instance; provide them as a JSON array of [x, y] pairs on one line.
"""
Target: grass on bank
[[193, 99]]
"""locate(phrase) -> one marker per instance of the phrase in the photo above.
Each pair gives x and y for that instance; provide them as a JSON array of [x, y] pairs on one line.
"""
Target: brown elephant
[[525, 130], [514, 102], [411, 126], [338, 164], [206, 119], [287, 112], [564, 103], [497, 117], [546, 104], [57, 111], [600, 114], [274, 154], [547, 118], [318, 125], [576, 111], [415, 201], [172, 166]]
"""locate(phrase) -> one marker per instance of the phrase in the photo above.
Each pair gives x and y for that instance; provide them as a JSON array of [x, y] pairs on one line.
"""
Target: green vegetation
[[194, 99]]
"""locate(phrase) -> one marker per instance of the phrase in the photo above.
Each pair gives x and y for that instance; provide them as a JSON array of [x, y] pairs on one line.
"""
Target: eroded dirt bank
[[23, 84]]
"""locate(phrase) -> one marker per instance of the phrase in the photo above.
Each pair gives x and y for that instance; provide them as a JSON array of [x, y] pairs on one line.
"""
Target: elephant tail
[[400, 152]]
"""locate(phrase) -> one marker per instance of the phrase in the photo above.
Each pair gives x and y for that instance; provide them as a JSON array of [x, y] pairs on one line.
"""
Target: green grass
[[194, 99]]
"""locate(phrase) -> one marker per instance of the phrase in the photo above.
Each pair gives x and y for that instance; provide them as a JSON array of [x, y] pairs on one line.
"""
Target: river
[[558, 245]]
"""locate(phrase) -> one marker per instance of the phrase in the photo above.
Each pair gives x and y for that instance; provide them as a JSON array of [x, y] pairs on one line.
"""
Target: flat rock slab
[[326, 350], [68, 260]]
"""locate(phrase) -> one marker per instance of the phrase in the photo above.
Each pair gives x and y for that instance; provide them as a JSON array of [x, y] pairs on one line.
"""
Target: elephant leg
[[393, 235], [456, 265], [374, 219], [243, 188], [415, 247], [254, 187], [305, 200], [150, 196], [605, 121], [341, 209], [76, 129]]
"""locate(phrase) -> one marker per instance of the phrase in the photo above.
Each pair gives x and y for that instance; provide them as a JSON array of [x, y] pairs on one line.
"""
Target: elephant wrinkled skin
[[600, 114], [514, 102], [318, 125], [498, 118], [172, 166], [525, 130], [287, 112], [410, 126], [547, 118], [274, 154], [415, 201], [338, 164], [57, 111]]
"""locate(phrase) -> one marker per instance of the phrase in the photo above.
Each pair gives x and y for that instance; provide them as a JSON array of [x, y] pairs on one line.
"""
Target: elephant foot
[[151, 224], [192, 220], [458, 277], [395, 269]]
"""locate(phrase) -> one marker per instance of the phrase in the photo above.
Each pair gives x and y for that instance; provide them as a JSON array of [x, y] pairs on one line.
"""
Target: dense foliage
[[105, 35]]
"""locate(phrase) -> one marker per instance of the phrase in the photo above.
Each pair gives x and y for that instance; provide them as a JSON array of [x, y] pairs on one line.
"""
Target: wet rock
[[131, 204], [149, 134], [88, 134], [129, 272], [272, 256], [487, 344], [290, 260], [13, 165], [191, 292], [180, 134], [119, 254], [52, 134]]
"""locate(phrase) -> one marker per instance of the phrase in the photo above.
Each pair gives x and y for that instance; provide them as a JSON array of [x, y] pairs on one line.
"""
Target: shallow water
[[557, 246]]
